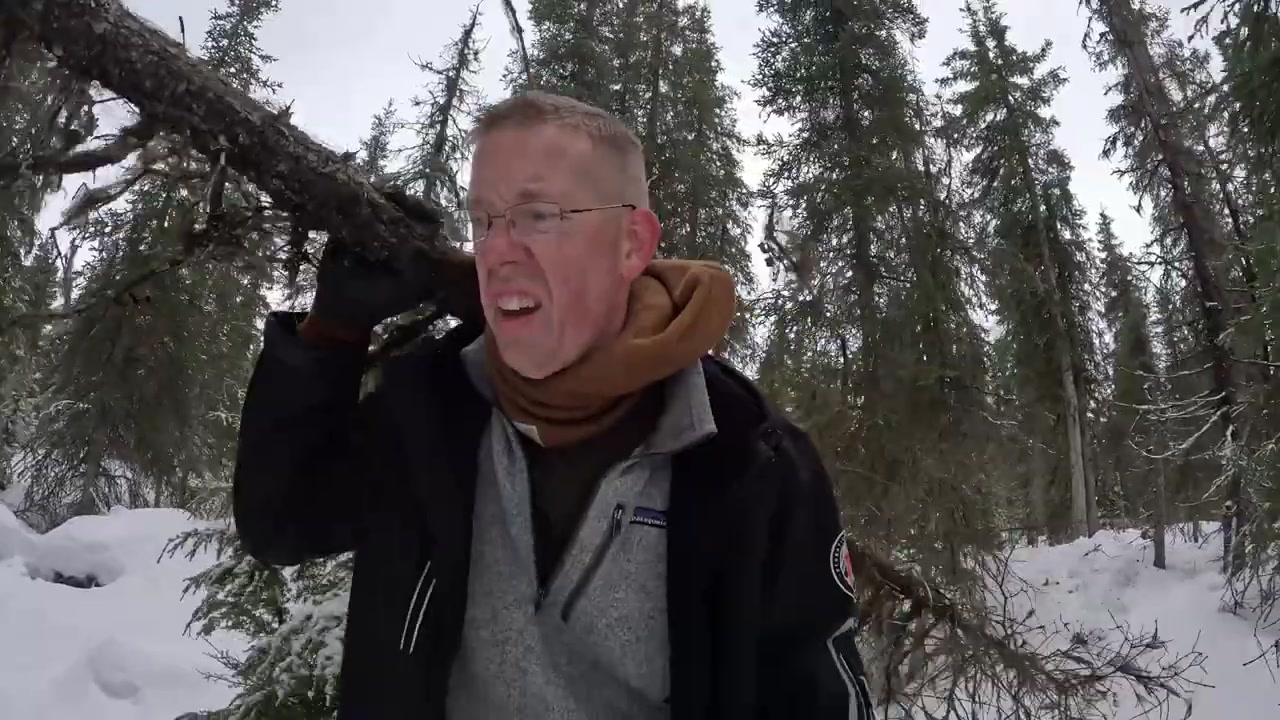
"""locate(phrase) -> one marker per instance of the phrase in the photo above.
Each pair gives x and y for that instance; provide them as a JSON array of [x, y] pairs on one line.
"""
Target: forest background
[[1012, 265]]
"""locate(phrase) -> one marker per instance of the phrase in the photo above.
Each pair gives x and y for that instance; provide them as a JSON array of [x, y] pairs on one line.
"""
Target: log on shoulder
[[103, 41]]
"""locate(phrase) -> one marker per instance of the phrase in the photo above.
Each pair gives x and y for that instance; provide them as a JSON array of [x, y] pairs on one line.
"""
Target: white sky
[[340, 61]]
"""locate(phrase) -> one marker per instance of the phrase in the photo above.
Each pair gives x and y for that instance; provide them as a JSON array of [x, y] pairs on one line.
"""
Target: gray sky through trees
[[341, 60]]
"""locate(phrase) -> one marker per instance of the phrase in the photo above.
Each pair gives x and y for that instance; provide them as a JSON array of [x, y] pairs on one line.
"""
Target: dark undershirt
[[563, 480]]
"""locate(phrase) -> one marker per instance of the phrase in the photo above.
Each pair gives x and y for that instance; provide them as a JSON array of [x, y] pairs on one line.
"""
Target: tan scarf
[[678, 310]]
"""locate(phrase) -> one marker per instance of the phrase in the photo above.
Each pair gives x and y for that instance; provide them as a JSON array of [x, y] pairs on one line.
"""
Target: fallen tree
[[103, 41]]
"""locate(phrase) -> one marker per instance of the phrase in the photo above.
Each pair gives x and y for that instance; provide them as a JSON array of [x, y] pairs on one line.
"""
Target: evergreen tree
[[1159, 152], [873, 346], [1038, 263], [296, 618], [1247, 175], [144, 380], [569, 51], [375, 148], [699, 181], [654, 64], [43, 112], [1128, 434], [1247, 39], [439, 147]]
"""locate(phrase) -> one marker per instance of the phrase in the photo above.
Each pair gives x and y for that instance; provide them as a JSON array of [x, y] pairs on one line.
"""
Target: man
[[573, 511]]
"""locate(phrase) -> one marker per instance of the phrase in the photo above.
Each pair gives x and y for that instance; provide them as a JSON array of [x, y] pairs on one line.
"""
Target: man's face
[[550, 297]]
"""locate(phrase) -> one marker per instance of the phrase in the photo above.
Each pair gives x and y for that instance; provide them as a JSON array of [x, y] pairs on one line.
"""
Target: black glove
[[354, 293]]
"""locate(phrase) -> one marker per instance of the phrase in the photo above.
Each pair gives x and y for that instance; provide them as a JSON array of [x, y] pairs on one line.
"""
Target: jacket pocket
[[594, 563]]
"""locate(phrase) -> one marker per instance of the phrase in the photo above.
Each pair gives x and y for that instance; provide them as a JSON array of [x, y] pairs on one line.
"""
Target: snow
[[111, 652], [1109, 579], [118, 651]]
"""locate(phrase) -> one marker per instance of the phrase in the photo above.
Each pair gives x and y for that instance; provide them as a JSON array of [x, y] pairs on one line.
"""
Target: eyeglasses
[[531, 219]]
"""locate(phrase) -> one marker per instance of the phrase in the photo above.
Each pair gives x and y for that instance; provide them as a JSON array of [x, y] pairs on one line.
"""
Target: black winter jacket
[[759, 599]]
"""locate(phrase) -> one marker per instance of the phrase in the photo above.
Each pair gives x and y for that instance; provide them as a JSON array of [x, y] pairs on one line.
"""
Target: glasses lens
[[534, 218]]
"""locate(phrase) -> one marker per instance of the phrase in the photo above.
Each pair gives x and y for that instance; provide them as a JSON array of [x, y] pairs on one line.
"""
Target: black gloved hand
[[354, 293]]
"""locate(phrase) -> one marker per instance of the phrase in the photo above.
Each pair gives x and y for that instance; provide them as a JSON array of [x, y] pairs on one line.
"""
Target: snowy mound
[[115, 651]]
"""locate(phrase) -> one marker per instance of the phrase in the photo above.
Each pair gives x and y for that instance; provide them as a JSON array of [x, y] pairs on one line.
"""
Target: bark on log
[[103, 41]]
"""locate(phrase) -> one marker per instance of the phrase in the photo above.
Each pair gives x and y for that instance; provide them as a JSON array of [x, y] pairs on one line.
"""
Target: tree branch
[[103, 41], [118, 294], [128, 141]]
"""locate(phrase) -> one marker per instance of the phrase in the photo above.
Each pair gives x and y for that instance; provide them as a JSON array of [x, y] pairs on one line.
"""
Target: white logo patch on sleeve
[[842, 564]]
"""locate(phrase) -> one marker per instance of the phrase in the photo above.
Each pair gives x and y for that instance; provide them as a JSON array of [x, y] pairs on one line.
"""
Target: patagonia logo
[[650, 517]]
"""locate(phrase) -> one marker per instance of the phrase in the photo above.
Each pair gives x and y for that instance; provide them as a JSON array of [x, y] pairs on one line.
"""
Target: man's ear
[[641, 242]]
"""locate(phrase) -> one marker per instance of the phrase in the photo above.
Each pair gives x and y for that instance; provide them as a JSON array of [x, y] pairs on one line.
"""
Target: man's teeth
[[511, 304]]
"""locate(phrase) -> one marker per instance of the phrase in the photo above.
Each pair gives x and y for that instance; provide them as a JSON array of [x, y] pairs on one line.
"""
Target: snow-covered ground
[[1109, 579], [117, 651]]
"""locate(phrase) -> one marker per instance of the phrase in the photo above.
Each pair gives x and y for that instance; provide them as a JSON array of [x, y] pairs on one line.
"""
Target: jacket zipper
[[593, 565], [544, 588]]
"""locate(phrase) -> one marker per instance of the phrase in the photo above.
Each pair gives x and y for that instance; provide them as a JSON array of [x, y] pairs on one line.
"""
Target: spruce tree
[[144, 388], [873, 346], [1129, 431], [568, 52], [1246, 170], [43, 111], [375, 148], [444, 111], [1155, 142], [657, 68], [699, 184], [296, 617], [1246, 38], [1037, 257]]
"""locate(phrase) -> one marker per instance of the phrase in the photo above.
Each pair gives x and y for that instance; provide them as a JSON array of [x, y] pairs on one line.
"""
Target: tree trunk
[[433, 173], [1037, 491], [1063, 355], [103, 41], [1089, 446], [1204, 246], [1160, 514], [68, 274], [694, 217], [865, 275], [1062, 349], [87, 503]]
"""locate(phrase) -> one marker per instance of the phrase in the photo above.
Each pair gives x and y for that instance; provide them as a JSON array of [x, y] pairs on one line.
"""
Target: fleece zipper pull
[[597, 559]]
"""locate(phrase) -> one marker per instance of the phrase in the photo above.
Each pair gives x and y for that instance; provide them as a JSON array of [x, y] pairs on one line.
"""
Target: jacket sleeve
[[303, 482], [811, 666]]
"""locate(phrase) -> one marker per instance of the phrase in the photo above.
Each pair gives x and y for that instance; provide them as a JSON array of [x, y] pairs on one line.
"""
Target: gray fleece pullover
[[595, 647]]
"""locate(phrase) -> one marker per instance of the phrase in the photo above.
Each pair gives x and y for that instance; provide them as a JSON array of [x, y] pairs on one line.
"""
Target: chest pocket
[[616, 608]]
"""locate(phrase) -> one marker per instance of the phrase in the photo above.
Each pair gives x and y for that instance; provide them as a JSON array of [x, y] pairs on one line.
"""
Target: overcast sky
[[341, 60]]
